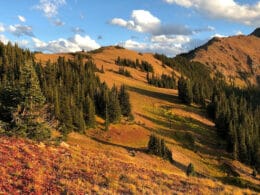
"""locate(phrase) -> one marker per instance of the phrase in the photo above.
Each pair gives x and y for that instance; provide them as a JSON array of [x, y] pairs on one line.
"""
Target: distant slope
[[236, 57]]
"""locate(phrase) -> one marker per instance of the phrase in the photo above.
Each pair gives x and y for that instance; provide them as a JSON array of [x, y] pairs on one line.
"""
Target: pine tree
[[152, 144], [106, 118], [190, 170], [30, 87], [66, 115], [185, 91], [124, 101], [114, 110], [57, 111], [81, 121], [89, 110], [157, 146]]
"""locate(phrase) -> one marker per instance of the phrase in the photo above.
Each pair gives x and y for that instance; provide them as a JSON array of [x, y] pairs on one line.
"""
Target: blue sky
[[164, 26]]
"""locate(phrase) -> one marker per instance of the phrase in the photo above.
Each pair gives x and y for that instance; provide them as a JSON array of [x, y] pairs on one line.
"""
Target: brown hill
[[236, 57], [114, 158]]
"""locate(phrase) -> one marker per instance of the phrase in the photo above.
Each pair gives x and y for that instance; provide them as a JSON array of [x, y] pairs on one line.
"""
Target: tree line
[[71, 88], [165, 81], [238, 122], [143, 65], [236, 112]]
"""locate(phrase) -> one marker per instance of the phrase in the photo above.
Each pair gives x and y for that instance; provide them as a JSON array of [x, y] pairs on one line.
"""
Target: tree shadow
[[180, 130], [144, 149], [157, 95]]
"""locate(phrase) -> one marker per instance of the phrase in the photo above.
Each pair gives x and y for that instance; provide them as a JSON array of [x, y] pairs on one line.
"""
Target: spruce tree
[[30, 87], [89, 110], [106, 118], [124, 101], [185, 91], [190, 170], [114, 110]]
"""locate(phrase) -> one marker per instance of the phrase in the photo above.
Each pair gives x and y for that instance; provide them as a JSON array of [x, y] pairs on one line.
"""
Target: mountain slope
[[236, 57], [151, 107], [31, 168]]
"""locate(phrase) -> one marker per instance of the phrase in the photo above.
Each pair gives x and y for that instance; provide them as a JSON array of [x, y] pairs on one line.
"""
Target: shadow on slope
[[157, 95]]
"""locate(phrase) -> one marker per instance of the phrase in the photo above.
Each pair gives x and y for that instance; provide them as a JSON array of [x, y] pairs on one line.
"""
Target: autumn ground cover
[[115, 161]]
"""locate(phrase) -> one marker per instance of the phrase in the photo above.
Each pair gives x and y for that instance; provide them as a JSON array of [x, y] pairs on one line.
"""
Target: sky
[[163, 26]]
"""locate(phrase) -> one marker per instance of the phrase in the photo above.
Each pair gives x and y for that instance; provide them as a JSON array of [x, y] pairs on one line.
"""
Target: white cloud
[[143, 21], [38, 43], [21, 18], [239, 33], [185, 3], [227, 9], [23, 43], [76, 43], [119, 22], [50, 7], [2, 28], [85, 43], [3, 39], [169, 45], [20, 30], [169, 50], [218, 35], [179, 39]]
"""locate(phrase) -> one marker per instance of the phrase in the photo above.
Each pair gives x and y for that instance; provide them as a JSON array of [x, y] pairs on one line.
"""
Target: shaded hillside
[[109, 160], [236, 57]]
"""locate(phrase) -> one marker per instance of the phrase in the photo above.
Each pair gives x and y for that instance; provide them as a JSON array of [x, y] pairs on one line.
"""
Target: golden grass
[[106, 158], [230, 56]]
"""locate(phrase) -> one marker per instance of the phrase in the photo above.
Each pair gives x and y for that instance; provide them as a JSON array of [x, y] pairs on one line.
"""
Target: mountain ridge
[[237, 58]]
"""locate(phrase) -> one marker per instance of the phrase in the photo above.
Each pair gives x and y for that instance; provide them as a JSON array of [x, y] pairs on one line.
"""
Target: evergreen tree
[[124, 101], [30, 88], [185, 91], [106, 118], [254, 173], [89, 112], [190, 170], [157, 146], [114, 110]]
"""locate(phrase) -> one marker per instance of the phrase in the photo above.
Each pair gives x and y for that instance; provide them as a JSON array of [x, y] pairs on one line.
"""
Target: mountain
[[79, 159], [237, 58], [256, 32]]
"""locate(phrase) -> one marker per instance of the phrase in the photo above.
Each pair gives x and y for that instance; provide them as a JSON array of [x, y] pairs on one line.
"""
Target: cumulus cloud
[[73, 44], [166, 44], [21, 30], [2, 28], [21, 18], [227, 9], [152, 47], [50, 7], [143, 21], [218, 35], [180, 39], [3, 39]]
